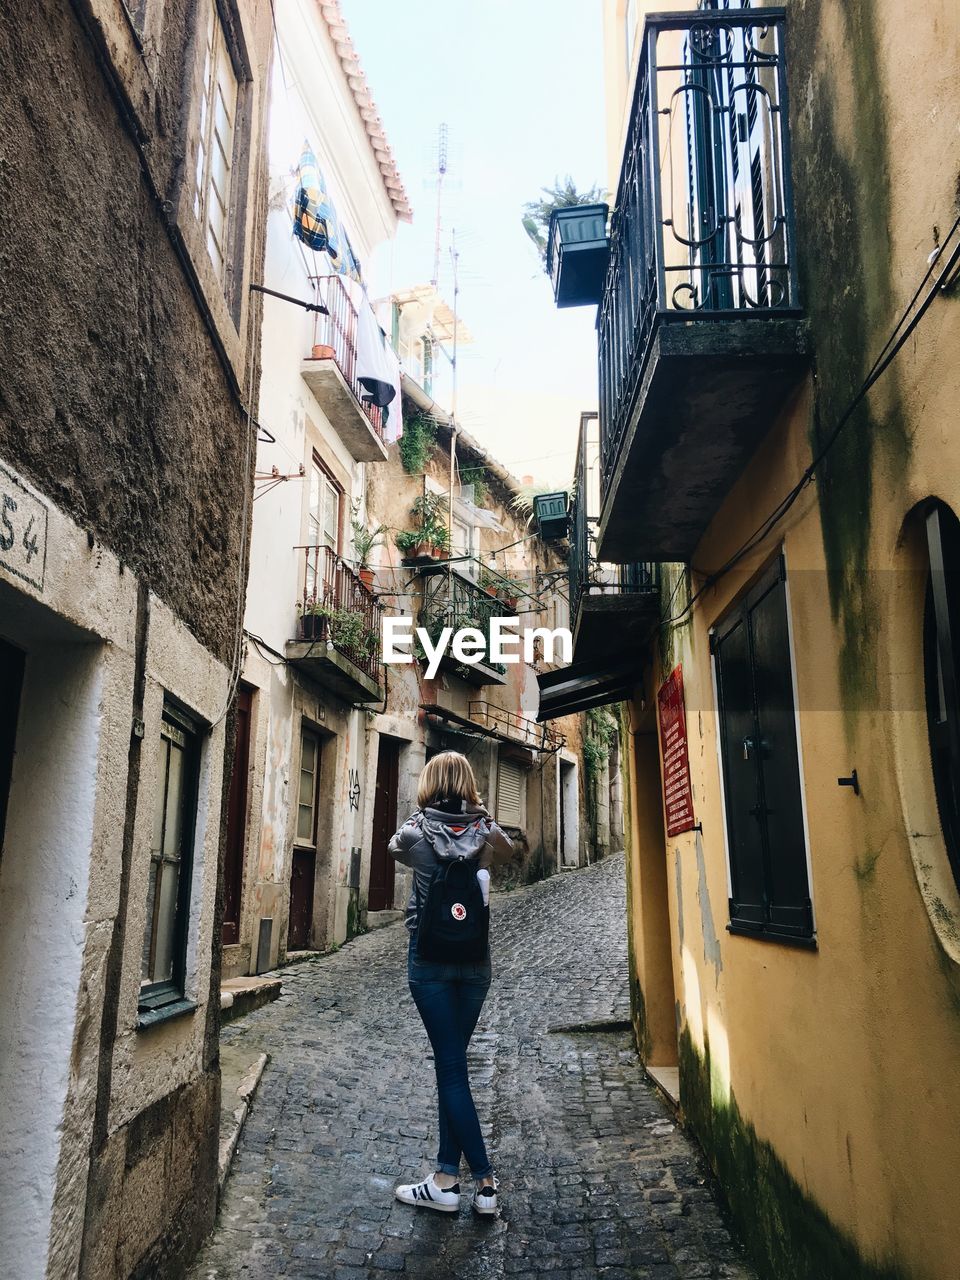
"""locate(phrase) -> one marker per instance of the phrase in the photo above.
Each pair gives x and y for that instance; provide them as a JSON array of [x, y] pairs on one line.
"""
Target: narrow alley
[[596, 1178]]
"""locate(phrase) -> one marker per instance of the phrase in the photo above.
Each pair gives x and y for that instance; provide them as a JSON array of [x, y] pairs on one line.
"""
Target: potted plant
[[440, 541], [407, 542], [508, 591], [364, 541], [314, 617]]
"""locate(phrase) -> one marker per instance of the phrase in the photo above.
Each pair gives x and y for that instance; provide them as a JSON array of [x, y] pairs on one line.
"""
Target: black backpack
[[454, 922]]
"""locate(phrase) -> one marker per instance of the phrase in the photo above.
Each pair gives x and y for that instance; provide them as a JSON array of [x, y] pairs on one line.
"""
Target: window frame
[[736, 614], [223, 54], [300, 842], [330, 480], [158, 995]]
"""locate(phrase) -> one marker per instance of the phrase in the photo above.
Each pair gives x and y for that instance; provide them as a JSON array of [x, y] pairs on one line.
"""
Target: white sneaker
[[485, 1200], [427, 1195]]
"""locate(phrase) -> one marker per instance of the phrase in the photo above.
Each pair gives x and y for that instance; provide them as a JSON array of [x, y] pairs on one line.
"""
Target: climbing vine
[[417, 442], [477, 476]]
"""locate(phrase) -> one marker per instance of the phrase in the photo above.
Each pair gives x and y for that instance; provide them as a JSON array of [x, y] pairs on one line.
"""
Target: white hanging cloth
[[378, 369]]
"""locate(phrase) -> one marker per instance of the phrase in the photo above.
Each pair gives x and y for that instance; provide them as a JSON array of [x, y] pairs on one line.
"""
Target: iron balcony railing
[[337, 610], [338, 331], [451, 600], [585, 574], [703, 226], [508, 725]]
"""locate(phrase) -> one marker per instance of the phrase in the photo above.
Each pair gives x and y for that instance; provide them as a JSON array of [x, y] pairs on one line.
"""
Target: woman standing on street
[[450, 829]]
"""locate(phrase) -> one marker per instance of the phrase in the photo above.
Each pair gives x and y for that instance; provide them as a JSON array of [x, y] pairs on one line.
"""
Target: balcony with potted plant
[[428, 542], [451, 599], [339, 629], [330, 371]]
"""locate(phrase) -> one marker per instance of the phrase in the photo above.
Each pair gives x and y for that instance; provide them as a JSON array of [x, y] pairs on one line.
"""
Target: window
[[323, 529], [510, 789], [217, 123], [770, 892], [307, 792], [323, 521], [462, 543], [941, 634], [163, 962]]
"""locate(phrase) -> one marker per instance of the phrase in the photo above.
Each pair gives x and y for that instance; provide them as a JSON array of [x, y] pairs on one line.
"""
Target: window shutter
[[761, 766], [510, 781]]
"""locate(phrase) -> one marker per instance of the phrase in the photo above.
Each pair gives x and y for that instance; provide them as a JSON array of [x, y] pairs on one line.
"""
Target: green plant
[[440, 537], [364, 539], [417, 442], [476, 476], [406, 540], [346, 628], [601, 729], [536, 213]]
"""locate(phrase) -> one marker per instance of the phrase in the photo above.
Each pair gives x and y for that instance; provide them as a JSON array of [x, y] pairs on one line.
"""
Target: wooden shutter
[[510, 783], [761, 764]]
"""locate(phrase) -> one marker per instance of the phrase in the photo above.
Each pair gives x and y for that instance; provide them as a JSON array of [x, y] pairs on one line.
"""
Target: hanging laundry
[[378, 370], [315, 220]]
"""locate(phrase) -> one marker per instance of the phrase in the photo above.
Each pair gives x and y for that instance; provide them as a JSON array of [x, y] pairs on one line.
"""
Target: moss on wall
[[839, 125], [787, 1234]]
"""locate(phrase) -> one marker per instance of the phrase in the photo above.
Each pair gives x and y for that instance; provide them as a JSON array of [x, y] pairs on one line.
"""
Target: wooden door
[[382, 866], [301, 899], [236, 822]]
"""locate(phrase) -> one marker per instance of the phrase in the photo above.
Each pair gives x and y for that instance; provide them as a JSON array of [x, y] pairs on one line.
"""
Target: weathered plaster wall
[[815, 1079], [111, 397], [120, 398]]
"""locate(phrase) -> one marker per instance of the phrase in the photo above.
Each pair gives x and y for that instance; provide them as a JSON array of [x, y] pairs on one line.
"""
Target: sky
[[519, 85]]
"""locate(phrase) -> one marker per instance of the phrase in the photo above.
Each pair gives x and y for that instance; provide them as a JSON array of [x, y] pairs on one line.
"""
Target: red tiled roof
[[332, 15]]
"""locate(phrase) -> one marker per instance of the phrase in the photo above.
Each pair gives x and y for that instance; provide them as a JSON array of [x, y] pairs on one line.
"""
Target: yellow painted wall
[[846, 1059]]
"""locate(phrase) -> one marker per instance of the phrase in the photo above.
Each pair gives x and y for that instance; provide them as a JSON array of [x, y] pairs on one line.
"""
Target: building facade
[[776, 324], [300, 772], [126, 469]]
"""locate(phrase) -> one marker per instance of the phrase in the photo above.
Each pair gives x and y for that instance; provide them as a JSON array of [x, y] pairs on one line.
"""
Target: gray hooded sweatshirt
[[432, 835]]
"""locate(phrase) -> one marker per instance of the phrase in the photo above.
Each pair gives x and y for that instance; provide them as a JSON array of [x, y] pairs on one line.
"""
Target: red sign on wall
[[677, 795]]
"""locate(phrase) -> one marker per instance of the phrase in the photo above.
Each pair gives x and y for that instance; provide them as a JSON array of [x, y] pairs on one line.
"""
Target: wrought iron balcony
[[452, 600], [339, 632], [509, 726], [612, 607], [700, 332], [331, 373]]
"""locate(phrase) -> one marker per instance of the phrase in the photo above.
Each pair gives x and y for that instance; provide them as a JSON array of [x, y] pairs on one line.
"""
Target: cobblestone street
[[596, 1179]]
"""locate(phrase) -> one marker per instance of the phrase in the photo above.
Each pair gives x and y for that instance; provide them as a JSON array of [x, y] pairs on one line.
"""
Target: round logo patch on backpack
[[458, 911]]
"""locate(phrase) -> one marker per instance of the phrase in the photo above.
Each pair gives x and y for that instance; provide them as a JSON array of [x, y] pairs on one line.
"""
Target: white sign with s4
[[23, 530]]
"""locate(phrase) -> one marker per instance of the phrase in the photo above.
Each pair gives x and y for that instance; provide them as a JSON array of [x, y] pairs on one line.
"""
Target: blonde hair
[[447, 775]]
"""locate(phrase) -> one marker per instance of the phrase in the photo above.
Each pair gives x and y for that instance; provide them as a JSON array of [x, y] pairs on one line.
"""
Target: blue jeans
[[449, 998]]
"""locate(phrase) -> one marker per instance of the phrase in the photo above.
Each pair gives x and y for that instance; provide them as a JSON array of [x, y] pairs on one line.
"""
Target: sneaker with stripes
[[485, 1200], [427, 1195]]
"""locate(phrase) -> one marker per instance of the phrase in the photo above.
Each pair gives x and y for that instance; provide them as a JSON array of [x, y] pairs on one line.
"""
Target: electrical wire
[[882, 362]]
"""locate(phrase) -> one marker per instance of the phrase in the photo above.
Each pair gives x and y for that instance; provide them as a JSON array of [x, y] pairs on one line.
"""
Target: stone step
[[242, 995]]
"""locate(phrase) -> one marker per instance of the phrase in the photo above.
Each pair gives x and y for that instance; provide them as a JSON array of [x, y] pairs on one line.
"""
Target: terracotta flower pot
[[323, 352], [366, 576], [422, 551]]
